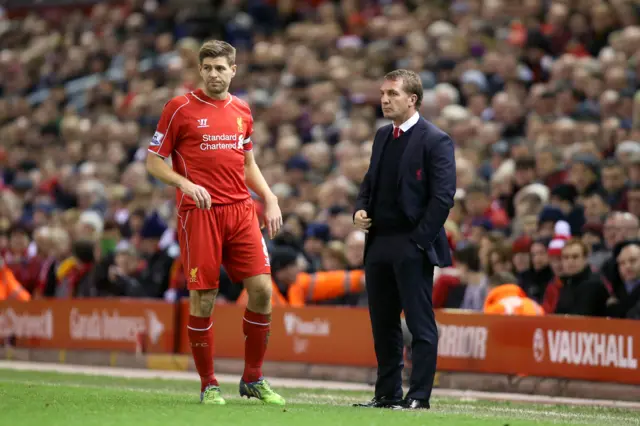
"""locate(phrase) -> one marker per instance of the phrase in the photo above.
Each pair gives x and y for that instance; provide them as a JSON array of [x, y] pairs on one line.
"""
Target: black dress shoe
[[380, 402], [412, 404]]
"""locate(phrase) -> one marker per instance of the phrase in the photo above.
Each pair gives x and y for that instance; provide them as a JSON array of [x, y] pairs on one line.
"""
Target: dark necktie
[[397, 132]]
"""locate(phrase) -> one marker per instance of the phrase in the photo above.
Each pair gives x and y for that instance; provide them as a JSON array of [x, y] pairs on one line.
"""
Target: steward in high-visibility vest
[[510, 299], [316, 287], [294, 288], [10, 288]]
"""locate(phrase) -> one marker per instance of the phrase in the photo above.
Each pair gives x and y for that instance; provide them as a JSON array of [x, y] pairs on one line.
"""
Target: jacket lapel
[[414, 141], [377, 153]]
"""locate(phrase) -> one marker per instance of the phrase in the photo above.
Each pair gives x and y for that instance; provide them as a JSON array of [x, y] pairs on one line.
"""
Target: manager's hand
[[362, 221]]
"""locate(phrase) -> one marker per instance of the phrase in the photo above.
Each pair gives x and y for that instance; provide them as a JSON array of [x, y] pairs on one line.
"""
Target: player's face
[[217, 74], [394, 100]]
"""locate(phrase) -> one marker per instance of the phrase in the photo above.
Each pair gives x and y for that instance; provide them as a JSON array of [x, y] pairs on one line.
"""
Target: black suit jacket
[[426, 186]]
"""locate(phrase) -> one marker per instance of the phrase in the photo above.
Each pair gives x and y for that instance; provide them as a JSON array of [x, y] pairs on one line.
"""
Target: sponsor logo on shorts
[[193, 275], [156, 140]]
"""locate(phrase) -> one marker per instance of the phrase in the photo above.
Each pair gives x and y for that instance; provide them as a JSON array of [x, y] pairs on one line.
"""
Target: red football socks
[[256, 330], [200, 332]]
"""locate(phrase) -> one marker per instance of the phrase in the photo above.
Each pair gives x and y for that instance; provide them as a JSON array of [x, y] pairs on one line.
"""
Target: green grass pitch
[[55, 399]]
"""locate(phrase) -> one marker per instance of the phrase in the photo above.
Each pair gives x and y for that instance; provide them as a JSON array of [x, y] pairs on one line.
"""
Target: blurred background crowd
[[538, 95]]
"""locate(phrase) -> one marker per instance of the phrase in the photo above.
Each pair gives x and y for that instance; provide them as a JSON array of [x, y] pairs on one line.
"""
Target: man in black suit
[[403, 202]]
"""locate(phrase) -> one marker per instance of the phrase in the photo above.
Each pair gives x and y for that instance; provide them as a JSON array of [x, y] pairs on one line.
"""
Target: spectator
[[521, 257], [618, 227], [633, 198], [583, 174], [534, 282], [487, 244], [465, 287], [625, 293], [614, 184], [593, 239], [333, 257], [354, 250], [10, 288], [595, 207], [500, 260], [507, 298], [479, 206], [582, 292], [316, 238], [25, 268], [159, 261], [117, 275], [293, 287], [547, 220], [545, 120], [73, 273], [563, 197]]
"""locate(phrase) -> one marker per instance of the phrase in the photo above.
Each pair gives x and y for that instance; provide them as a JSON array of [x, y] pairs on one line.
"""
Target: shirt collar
[[410, 122], [631, 285]]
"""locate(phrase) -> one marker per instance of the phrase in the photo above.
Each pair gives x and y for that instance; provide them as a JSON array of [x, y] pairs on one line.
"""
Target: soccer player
[[207, 134]]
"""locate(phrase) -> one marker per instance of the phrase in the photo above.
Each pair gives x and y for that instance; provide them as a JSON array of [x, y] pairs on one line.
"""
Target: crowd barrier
[[562, 347]]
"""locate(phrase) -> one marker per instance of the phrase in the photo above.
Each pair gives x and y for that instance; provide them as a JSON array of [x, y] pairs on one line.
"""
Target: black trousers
[[399, 277]]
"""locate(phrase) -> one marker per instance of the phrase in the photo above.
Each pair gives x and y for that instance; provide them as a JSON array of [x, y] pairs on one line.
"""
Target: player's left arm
[[257, 183]]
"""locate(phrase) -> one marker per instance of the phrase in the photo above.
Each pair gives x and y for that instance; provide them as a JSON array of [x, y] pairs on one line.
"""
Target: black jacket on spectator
[[634, 312], [582, 294], [155, 277], [609, 272], [455, 296], [102, 286], [626, 301], [535, 283]]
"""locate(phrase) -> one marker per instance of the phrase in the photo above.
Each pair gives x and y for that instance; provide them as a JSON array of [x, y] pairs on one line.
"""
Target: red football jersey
[[206, 139]]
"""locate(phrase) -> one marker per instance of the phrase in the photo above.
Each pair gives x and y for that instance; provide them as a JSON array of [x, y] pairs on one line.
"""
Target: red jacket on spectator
[[551, 295], [556, 178], [25, 270], [494, 213], [497, 215], [449, 277]]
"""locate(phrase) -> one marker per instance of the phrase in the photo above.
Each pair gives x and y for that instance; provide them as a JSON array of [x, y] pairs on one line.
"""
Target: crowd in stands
[[539, 97]]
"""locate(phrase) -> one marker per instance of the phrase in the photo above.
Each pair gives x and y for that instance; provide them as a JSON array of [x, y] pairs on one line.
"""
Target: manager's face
[[395, 102]]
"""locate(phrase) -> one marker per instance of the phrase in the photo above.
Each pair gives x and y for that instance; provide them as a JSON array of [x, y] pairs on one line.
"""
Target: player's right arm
[[157, 167], [163, 142]]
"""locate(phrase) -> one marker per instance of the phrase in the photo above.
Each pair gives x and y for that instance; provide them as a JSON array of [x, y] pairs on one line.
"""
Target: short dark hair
[[596, 193], [505, 254], [84, 250], [468, 255], [611, 163], [411, 83], [553, 150], [478, 187], [525, 163], [218, 49], [501, 278]]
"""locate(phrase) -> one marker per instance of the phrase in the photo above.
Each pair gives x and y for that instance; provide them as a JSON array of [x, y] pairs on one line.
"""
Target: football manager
[[402, 204]]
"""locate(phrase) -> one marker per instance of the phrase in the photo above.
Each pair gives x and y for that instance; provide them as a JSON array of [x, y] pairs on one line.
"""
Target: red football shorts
[[227, 235]]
